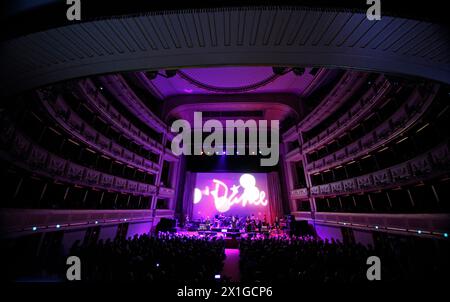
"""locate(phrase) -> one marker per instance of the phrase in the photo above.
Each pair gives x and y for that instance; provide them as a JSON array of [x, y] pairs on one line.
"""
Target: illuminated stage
[[240, 194], [231, 205]]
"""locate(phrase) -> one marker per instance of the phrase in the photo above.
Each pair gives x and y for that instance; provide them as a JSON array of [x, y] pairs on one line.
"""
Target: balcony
[[374, 96], [378, 137], [433, 163], [23, 220], [348, 84], [401, 223], [86, 89], [39, 161], [91, 137]]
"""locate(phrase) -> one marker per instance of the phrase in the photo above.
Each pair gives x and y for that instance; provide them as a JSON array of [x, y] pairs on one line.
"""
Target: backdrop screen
[[231, 194]]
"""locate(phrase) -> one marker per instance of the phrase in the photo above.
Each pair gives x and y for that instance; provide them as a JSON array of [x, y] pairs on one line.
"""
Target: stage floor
[[233, 235]]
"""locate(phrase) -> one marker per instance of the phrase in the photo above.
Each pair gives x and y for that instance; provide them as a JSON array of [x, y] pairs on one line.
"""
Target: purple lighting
[[231, 193]]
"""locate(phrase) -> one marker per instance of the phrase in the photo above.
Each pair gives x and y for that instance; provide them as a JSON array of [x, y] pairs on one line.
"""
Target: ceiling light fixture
[[151, 75], [280, 70], [298, 71], [170, 73]]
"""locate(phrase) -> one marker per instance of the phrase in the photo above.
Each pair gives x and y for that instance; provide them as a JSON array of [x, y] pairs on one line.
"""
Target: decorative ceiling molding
[[274, 105], [236, 89], [271, 36]]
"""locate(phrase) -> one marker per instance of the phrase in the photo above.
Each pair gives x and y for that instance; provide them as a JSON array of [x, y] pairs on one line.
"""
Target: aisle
[[231, 265]]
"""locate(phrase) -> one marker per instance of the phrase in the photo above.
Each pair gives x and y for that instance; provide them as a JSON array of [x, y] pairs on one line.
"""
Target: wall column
[[312, 200]]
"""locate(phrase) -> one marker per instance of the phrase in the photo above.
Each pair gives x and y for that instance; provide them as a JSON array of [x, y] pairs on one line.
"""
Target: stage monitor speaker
[[166, 225]]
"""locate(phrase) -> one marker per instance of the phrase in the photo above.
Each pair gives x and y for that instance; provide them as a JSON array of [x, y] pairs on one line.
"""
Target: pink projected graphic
[[231, 194]]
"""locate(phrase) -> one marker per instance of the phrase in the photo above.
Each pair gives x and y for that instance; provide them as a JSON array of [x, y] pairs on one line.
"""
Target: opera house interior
[[229, 143]]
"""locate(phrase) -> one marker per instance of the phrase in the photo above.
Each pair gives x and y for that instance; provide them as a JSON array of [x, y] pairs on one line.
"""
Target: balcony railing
[[97, 101], [29, 156], [120, 89], [427, 224], [67, 118], [397, 124], [299, 193], [368, 102], [430, 164], [350, 82]]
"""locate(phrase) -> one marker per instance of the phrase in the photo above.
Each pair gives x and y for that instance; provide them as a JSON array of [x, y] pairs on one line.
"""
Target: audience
[[307, 258], [166, 257], [280, 258]]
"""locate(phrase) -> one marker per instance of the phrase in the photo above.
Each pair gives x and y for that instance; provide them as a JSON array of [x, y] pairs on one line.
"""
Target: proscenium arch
[[283, 36]]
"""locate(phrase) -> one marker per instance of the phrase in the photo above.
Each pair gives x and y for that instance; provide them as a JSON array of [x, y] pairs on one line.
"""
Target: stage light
[[96, 222], [445, 235], [151, 75], [170, 73], [314, 71], [125, 219], [217, 277], [279, 70], [298, 71], [223, 152], [157, 264], [34, 228], [58, 226], [423, 127], [376, 227], [419, 232]]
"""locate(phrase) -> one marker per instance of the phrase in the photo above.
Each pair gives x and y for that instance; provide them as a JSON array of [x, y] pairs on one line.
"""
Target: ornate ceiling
[[265, 36]]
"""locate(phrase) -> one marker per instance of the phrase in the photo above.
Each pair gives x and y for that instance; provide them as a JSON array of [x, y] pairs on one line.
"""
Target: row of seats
[[366, 103], [399, 122], [74, 125], [348, 84], [36, 159], [100, 104], [435, 161]]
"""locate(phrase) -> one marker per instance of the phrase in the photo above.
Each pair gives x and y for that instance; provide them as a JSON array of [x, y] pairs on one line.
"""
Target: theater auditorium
[[226, 143]]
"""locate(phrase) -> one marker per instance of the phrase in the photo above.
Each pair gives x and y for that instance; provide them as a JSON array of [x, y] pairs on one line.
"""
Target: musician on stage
[[277, 223], [217, 221], [259, 225], [208, 223], [233, 222]]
